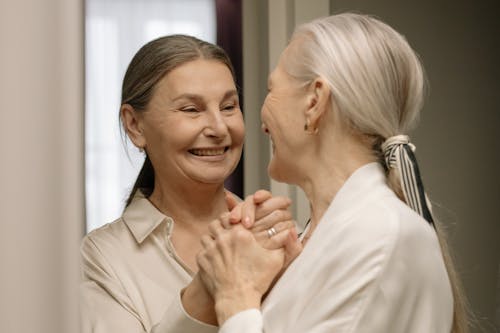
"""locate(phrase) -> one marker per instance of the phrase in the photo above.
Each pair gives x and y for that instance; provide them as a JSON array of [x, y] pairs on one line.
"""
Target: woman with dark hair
[[180, 107]]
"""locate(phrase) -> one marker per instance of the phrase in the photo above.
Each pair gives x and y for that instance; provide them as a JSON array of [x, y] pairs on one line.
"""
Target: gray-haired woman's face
[[283, 120]]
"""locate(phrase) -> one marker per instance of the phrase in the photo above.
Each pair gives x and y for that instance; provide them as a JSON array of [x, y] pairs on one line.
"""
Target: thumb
[[261, 195], [293, 247]]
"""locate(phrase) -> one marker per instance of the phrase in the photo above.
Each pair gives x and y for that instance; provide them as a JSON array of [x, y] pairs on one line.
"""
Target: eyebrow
[[198, 98], [230, 93]]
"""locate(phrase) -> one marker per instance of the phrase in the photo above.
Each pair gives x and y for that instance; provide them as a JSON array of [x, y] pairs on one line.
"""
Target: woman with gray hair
[[345, 93]]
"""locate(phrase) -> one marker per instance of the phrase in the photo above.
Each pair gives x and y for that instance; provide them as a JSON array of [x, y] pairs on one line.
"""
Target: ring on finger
[[271, 232]]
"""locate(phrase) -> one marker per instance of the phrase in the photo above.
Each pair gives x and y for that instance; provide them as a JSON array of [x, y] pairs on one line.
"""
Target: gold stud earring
[[308, 130]]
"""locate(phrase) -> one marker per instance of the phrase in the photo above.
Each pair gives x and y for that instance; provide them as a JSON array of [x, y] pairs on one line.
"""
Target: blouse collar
[[367, 181], [142, 217]]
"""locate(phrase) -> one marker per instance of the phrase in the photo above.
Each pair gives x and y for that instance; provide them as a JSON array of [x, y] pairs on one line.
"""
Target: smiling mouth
[[208, 151]]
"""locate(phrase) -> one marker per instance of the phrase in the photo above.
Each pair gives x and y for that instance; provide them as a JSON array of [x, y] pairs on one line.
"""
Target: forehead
[[279, 75], [200, 76]]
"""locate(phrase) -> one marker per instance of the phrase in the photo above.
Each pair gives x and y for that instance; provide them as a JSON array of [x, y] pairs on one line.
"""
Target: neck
[[193, 205], [334, 164]]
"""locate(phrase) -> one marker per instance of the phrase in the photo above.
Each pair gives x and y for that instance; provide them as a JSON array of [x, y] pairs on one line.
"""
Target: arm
[[106, 307]]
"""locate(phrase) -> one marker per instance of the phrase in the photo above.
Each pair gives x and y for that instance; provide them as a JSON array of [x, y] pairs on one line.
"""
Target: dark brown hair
[[149, 65]]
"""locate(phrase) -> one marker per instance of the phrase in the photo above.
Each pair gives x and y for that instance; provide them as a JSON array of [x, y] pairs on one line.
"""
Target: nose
[[216, 125]]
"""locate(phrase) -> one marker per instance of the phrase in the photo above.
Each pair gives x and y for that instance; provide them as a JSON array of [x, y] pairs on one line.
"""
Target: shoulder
[[106, 239], [107, 251], [412, 280], [358, 244], [392, 219], [410, 246], [386, 232], [374, 226], [415, 237]]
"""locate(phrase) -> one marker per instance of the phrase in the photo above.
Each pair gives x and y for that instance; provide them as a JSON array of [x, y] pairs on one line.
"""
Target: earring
[[306, 125], [306, 128], [141, 149]]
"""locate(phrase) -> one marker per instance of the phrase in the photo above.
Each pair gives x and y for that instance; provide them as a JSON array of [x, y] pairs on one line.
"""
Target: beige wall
[[41, 168], [457, 142], [267, 26], [255, 67]]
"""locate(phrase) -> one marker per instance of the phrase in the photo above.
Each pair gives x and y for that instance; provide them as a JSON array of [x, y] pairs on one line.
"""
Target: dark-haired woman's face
[[193, 125]]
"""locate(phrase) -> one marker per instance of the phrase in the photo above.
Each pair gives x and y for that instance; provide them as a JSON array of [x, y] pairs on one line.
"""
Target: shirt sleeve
[[248, 321], [105, 306], [101, 313]]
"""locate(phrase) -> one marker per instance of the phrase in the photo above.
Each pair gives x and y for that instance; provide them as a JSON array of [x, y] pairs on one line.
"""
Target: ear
[[318, 103], [132, 122]]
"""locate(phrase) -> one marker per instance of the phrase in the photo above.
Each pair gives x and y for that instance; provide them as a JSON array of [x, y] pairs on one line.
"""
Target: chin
[[212, 178], [281, 172]]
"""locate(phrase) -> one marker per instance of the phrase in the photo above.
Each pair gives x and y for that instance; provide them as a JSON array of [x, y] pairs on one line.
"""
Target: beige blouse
[[132, 276]]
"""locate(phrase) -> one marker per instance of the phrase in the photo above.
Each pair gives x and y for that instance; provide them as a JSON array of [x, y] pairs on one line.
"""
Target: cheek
[[271, 103], [267, 112], [276, 109], [174, 138], [237, 128]]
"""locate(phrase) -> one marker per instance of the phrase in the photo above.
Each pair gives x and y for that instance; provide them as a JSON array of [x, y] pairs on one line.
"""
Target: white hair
[[376, 79]]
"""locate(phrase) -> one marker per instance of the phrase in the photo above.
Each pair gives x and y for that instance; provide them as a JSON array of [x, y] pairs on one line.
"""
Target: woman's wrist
[[198, 303], [230, 303]]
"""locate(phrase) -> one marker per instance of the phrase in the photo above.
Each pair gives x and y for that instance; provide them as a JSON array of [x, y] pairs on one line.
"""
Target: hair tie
[[399, 155]]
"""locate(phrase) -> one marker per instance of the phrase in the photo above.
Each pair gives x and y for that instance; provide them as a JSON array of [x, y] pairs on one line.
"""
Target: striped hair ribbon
[[399, 155]]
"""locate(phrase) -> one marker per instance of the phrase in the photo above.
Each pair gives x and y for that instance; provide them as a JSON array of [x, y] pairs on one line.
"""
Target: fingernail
[[246, 221]]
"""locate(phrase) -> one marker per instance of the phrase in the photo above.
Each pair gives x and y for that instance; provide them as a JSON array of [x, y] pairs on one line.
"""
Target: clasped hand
[[240, 258]]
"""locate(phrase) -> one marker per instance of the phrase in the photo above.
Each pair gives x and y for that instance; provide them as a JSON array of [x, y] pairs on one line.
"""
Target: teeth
[[208, 152]]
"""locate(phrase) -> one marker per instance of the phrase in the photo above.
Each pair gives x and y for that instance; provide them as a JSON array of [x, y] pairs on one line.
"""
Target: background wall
[[457, 142], [41, 169]]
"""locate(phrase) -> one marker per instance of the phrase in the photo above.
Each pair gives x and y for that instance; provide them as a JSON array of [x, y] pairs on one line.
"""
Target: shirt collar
[[366, 182], [142, 218]]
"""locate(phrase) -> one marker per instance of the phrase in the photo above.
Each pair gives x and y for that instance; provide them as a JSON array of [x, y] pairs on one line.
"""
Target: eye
[[229, 107], [189, 109]]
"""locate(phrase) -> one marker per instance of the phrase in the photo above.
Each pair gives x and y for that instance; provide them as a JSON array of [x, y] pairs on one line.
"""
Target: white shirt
[[372, 265]]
